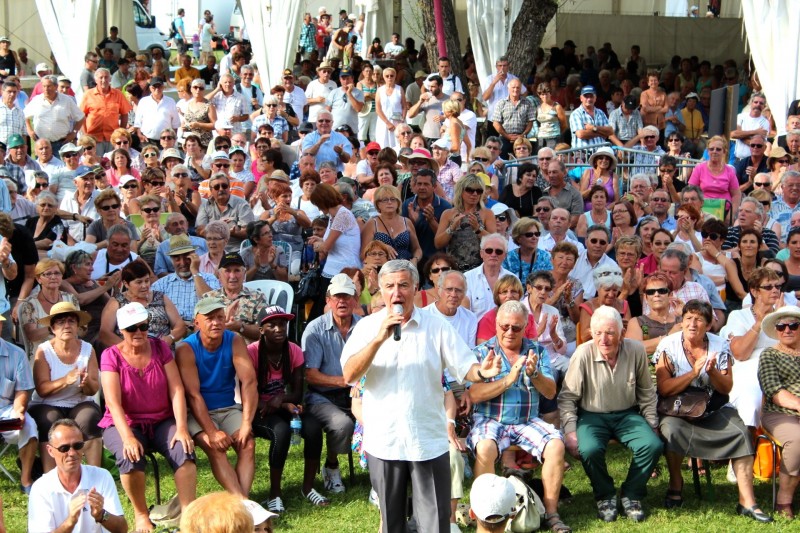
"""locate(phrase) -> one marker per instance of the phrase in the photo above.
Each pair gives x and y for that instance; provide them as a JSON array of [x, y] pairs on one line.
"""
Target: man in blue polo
[[326, 144], [589, 124]]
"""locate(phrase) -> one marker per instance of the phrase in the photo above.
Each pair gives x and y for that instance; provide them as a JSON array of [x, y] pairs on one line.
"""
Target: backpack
[[173, 31], [529, 508]]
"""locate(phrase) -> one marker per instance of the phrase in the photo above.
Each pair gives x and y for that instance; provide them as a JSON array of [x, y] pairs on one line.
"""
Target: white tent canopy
[[490, 32], [274, 27]]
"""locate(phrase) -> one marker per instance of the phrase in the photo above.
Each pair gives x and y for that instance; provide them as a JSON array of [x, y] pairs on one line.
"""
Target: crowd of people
[[511, 263]]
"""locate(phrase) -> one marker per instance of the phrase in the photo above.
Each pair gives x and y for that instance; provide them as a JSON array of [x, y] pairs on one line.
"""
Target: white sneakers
[[333, 480]]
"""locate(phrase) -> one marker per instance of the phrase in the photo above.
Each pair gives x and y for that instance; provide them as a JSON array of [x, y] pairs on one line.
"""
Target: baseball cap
[[156, 81], [373, 146], [441, 142], [346, 71], [125, 179], [130, 314], [220, 155], [588, 89], [499, 208], [15, 140], [223, 124], [306, 127], [229, 259], [287, 73], [42, 67], [272, 312], [170, 153], [64, 78], [83, 170], [208, 304], [341, 284], [692, 95], [5, 39], [492, 498], [631, 102], [260, 515], [237, 150]]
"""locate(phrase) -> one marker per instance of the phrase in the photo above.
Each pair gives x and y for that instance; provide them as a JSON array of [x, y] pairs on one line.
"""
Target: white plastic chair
[[276, 292]]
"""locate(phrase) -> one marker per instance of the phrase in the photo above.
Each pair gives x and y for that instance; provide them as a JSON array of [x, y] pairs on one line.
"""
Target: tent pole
[[438, 16]]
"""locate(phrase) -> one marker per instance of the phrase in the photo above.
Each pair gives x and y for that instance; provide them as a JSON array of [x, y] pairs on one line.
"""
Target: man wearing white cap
[[53, 116], [492, 502]]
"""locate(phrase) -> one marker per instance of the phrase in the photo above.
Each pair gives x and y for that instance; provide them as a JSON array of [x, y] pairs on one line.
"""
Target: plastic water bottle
[[296, 424]]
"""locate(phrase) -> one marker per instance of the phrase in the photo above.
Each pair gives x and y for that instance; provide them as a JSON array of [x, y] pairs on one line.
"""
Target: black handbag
[[311, 283]]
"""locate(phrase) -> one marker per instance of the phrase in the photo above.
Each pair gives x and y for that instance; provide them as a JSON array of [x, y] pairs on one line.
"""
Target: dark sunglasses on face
[[782, 327], [107, 207], [156, 183], [756, 145], [221, 165], [530, 234], [495, 251], [64, 448], [223, 186], [500, 218], [168, 138], [151, 154], [649, 136], [481, 159], [594, 240], [513, 327], [149, 210], [271, 105], [120, 143], [180, 175], [140, 327], [470, 190], [660, 290], [771, 287], [712, 236], [436, 270], [70, 155], [40, 185], [542, 209], [130, 186], [224, 147], [762, 183]]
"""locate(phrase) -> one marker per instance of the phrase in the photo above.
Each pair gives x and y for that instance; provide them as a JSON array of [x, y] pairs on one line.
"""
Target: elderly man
[[660, 204], [747, 125], [47, 160], [626, 121], [409, 444], [250, 93], [559, 231], [430, 104], [230, 106], [481, 279], [788, 201], [326, 144], [507, 406], [345, 102], [328, 397], [425, 209], [227, 208], [295, 96], [116, 255], [210, 361], [106, 109], [155, 114], [563, 192], [176, 225], [792, 124], [187, 284], [755, 163], [751, 213], [641, 188], [681, 250], [497, 85], [675, 264], [12, 118], [73, 496], [597, 239], [17, 380], [608, 393], [646, 140], [12, 172], [18, 155], [452, 286], [513, 116], [53, 116], [318, 90], [589, 124], [242, 303], [80, 202]]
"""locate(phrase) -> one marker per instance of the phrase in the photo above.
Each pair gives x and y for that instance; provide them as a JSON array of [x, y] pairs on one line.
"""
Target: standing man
[[626, 120], [513, 116], [563, 192], [113, 42], [430, 102], [328, 398], [308, 32], [295, 96], [751, 124], [408, 445], [230, 105], [87, 80], [106, 109], [180, 33], [326, 144], [155, 114], [497, 88], [345, 102], [450, 82], [425, 209], [318, 90], [210, 361], [589, 124], [12, 119]]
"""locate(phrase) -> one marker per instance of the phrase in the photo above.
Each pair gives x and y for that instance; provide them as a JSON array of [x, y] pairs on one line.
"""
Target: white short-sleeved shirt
[[48, 505], [479, 292], [316, 89], [404, 418]]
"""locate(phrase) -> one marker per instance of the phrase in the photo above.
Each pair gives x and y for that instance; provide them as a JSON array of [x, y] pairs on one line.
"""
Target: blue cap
[[346, 71], [83, 170], [588, 89]]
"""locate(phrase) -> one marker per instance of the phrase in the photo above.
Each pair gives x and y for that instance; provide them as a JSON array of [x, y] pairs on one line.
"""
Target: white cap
[[442, 142], [342, 284], [260, 515], [499, 208], [130, 314], [125, 179], [492, 496], [223, 124]]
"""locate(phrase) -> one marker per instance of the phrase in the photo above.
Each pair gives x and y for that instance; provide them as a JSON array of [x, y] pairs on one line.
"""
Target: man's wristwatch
[[106, 515], [594, 129], [482, 377]]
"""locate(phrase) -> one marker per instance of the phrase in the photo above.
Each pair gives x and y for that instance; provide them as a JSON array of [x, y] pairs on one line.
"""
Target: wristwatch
[[106, 516], [594, 129], [241, 329], [481, 376]]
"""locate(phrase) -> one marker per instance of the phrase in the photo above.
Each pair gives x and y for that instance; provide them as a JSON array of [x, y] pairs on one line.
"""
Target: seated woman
[[507, 288], [644, 229], [527, 257], [391, 228], [780, 383], [788, 296], [91, 296], [539, 285], [623, 221], [597, 213], [145, 410], [131, 189], [279, 370], [687, 217], [66, 377], [522, 194], [659, 240], [600, 173], [47, 227], [651, 328], [608, 282], [744, 330], [152, 233], [385, 174], [262, 258], [287, 222], [739, 269], [713, 233], [108, 205], [698, 359], [217, 236], [438, 263]]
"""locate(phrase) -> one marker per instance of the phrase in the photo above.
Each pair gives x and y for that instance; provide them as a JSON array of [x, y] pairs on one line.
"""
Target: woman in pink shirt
[[716, 178]]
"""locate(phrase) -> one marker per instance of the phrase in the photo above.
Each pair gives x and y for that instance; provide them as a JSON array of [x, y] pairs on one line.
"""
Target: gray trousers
[[337, 423], [430, 495]]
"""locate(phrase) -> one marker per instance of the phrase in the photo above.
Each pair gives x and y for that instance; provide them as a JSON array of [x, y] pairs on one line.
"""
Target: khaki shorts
[[227, 419]]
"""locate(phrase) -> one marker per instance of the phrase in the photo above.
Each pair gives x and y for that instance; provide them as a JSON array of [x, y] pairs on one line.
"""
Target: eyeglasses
[[120, 143], [495, 251], [65, 448], [656, 199], [756, 145], [270, 105], [530, 234], [771, 287], [144, 326], [714, 149], [168, 138], [545, 288], [151, 154], [602, 242], [542, 210], [513, 327], [323, 121], [224, 147], [223, 186], [131, 186], [180, 175], [762, 184], [436, 270], [470, 190], [782, 327], [500, 218], [712, 236], [222, 165], [70, 155], [673, 140], [388, 200], [149, 210], [662, 243], [51, 274], [156, 183], [660, 290], [405, 133], [375, 254], [481, 159], [650, 137], [89, 147], [107, 207], [40, 185], [544, 158]]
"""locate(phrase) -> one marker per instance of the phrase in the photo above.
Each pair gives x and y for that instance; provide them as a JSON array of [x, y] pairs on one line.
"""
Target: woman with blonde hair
[[121, 139], [456, 131], [551, 117], [89, 156], [391, 107], [390, 227]]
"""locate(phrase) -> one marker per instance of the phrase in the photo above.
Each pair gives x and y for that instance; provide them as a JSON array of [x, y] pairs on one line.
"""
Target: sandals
[[554, 523], [275, 505], [673, 503], [316, 498]]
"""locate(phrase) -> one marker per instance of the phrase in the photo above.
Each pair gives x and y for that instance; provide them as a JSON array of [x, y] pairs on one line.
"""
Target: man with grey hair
[[155, 114], [409, 445], [641, 187], [558, 224], [176, 225], [751, 215], [53, 116], [793, 143], [692, 275], [543, 158], [45, 157], [361, 209], [116, 255], [452, 287], [106, 109], [597, 239], [497, 85], [675, 264], [749, 124], [481, 279], [230, 105], [646, 141], [563, 192], [595, 408], [224, 206], [788, 201], [327, 145], [250, 93]]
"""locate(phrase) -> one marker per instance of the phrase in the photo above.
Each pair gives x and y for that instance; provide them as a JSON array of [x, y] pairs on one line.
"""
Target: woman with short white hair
[[268, 114]]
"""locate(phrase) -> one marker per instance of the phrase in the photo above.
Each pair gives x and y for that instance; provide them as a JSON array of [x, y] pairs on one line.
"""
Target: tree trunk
[[527, 33], [451, 36]]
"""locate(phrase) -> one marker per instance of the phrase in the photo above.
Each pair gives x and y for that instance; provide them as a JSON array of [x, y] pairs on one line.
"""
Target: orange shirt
[[237, 189], [103, 111], [181, 74]]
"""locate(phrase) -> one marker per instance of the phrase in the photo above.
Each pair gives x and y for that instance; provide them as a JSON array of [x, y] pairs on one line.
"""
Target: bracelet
[[451, 421], [481, 376]]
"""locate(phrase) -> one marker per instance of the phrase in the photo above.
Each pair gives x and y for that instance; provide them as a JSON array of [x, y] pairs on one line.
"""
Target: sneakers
[[333, 480], [633, 509], [607, 510], [731, 475], [373, 499]]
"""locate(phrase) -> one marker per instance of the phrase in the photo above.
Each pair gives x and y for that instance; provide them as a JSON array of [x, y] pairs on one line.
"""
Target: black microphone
[[397, 309]]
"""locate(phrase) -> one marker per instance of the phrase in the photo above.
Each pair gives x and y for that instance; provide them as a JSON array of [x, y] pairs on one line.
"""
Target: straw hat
[[768, 324], [606, 151], [66, 308]]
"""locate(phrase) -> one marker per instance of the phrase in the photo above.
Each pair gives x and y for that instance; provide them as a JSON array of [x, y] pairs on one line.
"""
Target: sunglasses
[[168, 138], [545, 288], [714, 149], [756, 146], [324, 121], [223, 186], [602, 242], [180, 175], [673, 140], [436, 270], [144, 326], [40, 185], [662, 243], [513, 327], [107, 207], [130, 186], [271, 105], [762, 183], [77, 446], [151, 154], [120, 143], [530, 234], [783, 161], [222, 165], [766, 203], [542, 209], [495, 251], [660, 290], [649, 136], [149, 210], [44, 204], [656, 200], [481, 159], [70, 155], [224, 147], [500, 218], [771, 287], [782, 327], [712, 236], [470, 190], [156, 183]]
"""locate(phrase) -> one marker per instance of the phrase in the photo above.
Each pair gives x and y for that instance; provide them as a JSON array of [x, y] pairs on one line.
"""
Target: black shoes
[[753, 512]]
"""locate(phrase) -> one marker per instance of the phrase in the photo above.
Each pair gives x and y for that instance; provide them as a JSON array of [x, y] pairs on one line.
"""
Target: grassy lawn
[[350, 512]]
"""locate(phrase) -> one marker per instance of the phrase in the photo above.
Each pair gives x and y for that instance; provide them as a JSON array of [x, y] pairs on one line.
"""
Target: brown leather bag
[[691, 404]]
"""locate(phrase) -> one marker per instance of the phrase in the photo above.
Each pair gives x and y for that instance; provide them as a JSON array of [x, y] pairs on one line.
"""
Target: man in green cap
[[18, 154]]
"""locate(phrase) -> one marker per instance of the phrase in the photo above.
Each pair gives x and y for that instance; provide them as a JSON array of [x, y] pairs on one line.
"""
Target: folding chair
[[154, 461], [777, 449], [5, 448]]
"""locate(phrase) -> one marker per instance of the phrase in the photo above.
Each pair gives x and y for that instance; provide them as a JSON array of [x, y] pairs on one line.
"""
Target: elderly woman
[[438, 263], [263, 259], [539, 285], [47, 227], [48, 273], [608, 282], [91, 296], [152, 232], [462, 226], [696, 360], [268, 114], [567, 293], [659, 240], [391, 228], [150, 155], [66, 377], [780, 383], [715, 177], [165, 322], [217, 236], [651, 328], [108, 205], [145, 410], [522, 194], [507, 288], [602, 164], [527, 257], [391, 107]]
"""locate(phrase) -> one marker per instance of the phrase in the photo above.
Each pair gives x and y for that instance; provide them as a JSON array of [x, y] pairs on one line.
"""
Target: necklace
[[783, 348], [46, 299]]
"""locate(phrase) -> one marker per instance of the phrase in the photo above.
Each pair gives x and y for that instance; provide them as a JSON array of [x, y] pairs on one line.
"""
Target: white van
[[148, 36]]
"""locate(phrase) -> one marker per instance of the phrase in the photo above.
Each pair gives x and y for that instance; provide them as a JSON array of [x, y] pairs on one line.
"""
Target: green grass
[[350, 512]]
